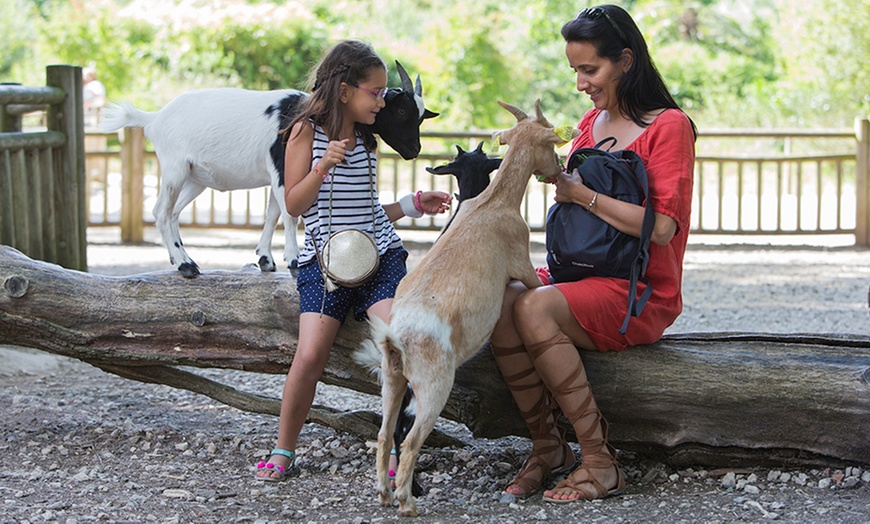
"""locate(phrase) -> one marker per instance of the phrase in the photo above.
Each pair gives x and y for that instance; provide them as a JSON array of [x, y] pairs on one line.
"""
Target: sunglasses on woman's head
[[594, 13]]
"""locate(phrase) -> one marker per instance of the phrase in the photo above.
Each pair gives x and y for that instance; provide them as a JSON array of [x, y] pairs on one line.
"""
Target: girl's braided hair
[[351, 62]]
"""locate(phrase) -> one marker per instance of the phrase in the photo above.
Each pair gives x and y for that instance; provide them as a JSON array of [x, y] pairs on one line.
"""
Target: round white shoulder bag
[[349, 258]]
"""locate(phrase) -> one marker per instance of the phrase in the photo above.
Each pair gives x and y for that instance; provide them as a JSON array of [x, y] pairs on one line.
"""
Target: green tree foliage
[[122, 49], [727, 62], [256, 56], [824, 52], [712, 54], [469, 58], [15, 36]]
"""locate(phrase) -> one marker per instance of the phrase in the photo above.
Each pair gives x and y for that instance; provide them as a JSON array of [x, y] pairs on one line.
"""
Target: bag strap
[[611, 139], [638, 267], [317, 252], [371, 188]]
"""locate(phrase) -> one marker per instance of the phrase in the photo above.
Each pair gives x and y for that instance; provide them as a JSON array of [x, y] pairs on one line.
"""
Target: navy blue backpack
[[580, 245]]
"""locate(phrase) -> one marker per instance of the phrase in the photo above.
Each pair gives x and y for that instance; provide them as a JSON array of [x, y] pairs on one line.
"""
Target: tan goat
[[447, 307]]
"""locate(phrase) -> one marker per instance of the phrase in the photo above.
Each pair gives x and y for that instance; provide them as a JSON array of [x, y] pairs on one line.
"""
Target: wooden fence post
[[862, 182], [132, 185], [9, 123], [70, 208]]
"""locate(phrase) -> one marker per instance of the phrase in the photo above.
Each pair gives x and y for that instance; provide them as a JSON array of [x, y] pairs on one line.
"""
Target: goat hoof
[[189, 270], [409, 511], [266, 264], [293, 266]]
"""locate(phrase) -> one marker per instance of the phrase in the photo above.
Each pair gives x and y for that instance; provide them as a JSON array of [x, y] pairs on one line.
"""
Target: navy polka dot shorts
[[309, 283]]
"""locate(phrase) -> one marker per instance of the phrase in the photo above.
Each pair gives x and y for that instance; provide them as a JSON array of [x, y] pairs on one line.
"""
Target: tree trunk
[[711, 399]]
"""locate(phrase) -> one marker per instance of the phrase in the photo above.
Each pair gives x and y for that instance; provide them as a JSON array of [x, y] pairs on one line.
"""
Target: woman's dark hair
[[349, 61], [611, 30]]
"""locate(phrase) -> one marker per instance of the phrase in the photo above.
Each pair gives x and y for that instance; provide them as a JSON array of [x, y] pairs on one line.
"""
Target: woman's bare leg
[[551, 334], [549, 449]]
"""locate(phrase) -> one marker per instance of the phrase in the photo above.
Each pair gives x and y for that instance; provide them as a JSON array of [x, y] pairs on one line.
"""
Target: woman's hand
[[435, 202], [570, 188]]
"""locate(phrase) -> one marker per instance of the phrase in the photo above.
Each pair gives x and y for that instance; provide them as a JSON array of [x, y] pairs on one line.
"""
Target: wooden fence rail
[[747, 182], [43, 205]]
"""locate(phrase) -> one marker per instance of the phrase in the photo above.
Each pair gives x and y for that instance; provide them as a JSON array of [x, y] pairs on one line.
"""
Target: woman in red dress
[[536, 340]]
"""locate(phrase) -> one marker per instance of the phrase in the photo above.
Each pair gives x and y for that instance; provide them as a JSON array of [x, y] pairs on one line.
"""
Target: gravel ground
[[80, 445]]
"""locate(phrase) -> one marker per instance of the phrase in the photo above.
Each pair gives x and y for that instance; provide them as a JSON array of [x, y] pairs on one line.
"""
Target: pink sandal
[[275, 468]]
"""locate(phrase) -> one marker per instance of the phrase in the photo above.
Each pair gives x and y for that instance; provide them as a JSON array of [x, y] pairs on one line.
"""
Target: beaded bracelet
[[318, 171]]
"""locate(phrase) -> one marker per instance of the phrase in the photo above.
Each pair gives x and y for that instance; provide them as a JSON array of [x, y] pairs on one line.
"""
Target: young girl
[[329, 145]]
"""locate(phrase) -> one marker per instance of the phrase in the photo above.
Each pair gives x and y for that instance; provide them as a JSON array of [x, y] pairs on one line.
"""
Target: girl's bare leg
[[316, 335]]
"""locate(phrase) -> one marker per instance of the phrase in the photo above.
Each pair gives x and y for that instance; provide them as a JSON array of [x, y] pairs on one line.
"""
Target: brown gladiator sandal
[[540, 420], [592, 449]]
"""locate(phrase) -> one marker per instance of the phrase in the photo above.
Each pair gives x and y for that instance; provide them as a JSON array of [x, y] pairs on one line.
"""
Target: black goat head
[[398, 123], [471, 169]]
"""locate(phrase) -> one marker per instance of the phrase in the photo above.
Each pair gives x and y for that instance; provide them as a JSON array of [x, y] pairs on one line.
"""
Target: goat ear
[[517, 112], [428, 114]]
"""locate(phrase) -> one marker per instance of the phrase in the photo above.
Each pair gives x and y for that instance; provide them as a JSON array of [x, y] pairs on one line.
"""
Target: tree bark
[[718, 399]]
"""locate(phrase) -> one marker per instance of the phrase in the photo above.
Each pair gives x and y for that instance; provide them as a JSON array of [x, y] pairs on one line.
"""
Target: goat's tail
[[118, 116], [371, 354], [369, 357]]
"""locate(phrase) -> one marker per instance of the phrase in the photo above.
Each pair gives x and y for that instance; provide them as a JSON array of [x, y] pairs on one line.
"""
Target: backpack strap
[[638, 268], [611, 139]]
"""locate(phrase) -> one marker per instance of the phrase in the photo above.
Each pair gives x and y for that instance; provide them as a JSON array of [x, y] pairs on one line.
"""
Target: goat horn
[[517, 112], [541, 118], [480, 147], [406, 80], [418, 87]]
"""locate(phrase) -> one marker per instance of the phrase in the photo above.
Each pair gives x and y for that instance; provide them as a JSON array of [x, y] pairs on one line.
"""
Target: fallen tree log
[[718, 399]]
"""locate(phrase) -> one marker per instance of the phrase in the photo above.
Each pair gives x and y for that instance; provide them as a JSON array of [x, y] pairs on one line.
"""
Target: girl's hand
[[334, 155], [569, 187], [435, 202]]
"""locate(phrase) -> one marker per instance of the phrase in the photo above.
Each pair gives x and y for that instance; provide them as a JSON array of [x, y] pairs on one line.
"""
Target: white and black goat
[[229, 139], [440, 317]]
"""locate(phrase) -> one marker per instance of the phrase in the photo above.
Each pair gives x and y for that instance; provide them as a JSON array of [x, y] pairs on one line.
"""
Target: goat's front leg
[[291, 244], [524, 271], [264, 246]]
